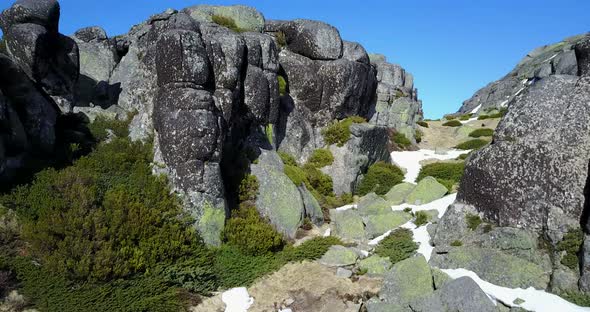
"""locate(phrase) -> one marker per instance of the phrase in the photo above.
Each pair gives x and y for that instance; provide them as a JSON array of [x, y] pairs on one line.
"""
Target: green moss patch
[[320, 158], [452, 123], [571, 243]]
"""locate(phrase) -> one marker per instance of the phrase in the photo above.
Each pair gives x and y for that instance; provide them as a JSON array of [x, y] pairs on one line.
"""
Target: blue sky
[[452, 47]]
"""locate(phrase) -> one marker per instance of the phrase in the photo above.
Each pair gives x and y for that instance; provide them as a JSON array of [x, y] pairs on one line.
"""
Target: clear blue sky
[[452, 47]]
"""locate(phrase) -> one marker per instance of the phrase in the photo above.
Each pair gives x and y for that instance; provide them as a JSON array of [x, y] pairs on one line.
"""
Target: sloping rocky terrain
[[211, 159]]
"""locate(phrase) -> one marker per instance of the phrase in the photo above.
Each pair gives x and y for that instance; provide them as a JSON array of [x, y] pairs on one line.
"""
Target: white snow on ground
[[468, 120], [237, 300], [411, 160], [327, 232], [534, 300], [346, 207], [475, 110], [549, 59], [439, 204], [518, 92], [503, 104]]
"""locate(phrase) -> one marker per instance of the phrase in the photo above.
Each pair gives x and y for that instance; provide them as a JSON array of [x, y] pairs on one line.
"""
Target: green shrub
[[472, 144], [319, 181], [465, 117], [463, 156], [193, 274], [422, 124], [281, 39], [249, 188], [235, 268], [499, 114], [488, 228], [100, 126], [446, 173], [578, 298], [339, 132], [421, 218], [249, 232], [320, 158], [401, 140], [452, 123], [457, 243], [225, 21], [330, 202], [296, 174], [311, 249], [473, 221], [287, 159], [104, 217], [380, 178], [418, 135], [398, 245], [53, 293], [571, 243], [282, 85], [482, 132], [483, 117]]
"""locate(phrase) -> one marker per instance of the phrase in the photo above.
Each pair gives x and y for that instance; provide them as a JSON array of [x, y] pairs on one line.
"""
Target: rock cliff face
[[563, 58], [38, 74], [534, 175], [212, 97]]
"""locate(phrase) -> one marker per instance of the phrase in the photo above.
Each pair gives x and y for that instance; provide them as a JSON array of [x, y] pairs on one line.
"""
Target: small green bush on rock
[[472, 144], [249, 232], [225, 21], [422, 124], [311, 249], [287, 159], [380, 178], [482, 132], [578, 298], [249, 188], [457, 243], [320, 158], [421, 218], [401, 140], [319, 181], [296, 174], [571, 243], [465, 117], [99, 128], [281, 38], [339, 132], [452, 123], [282, 85], [446, 173], [473, 221], [398, 245]]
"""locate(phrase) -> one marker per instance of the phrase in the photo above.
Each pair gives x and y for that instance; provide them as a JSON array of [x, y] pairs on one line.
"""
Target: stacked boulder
[[38, 71]]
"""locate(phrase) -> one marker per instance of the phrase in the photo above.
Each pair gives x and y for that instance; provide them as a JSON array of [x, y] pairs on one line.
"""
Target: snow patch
[[411, 160], [327, 232], [346, 207], [237, 300], [518, 92], [468, 120], [476, 109], [440, 205], [534, 300]]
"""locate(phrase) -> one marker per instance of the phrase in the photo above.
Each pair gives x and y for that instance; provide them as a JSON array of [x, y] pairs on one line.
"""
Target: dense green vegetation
[[482, 132], [418, 135], [226, 21], [446, 173], [282, 85], [452, 123], [281, 39], [101, 127], [339, 131], [320, 158], [400, 140], [465, 117], [578, 298], [398, 245], [421, 218], [248, 188], [288, 159], [472, 144], [380, 178], [570, 244], [499, 114]]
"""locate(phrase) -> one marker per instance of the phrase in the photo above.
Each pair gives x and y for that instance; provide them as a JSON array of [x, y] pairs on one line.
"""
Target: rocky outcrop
[[563, 58], [37, 78]]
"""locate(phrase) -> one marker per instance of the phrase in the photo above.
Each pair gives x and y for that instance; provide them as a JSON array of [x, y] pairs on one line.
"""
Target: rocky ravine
[[178, 68]]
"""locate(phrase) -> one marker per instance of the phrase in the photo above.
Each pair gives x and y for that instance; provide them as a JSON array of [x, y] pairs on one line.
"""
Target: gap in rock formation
[[585, 218]]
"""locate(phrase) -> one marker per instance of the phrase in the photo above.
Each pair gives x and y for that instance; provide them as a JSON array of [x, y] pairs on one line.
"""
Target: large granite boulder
[[41, 12], [313, 39], [407, 281], [548, 192], [246, 18], [459, 295]]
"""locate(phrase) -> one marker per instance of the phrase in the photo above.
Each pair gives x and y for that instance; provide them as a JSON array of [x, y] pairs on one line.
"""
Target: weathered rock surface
[[245, 17], [460, 295], [407, 281], [347, 225], [338, 256], [398, 193], [426, 191]]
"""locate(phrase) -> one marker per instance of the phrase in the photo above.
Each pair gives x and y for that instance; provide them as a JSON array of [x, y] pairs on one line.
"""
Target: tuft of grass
[[446, 173], [422, 124], [398, 245], [465, 117], [248, 188], [457, 243], [339, 132], [571, 243], [452, 123], [482, 132], [281, 39], [578, 298], [473, 221], [101, 126], [463, 156], [320, 158], [401, 140], [472, 144], [421, 218], [282, 85], [288, 159], [380, 178], [226, 21]]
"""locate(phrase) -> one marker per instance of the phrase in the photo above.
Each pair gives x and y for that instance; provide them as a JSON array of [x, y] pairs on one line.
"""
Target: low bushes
[[421, 218], [422, 124], [446, 173], [282, 85], [339, 131], [452, 123], [482, 132], [401, 140], [281, 39], [398, 245], [570, 244], [465, 117], [225, 21], [472, 144], [248, 188], [311, 249], [380, 178], [249, 232], [418, 135], [287, 159], [321, 158], [99, 128], [473, 221]]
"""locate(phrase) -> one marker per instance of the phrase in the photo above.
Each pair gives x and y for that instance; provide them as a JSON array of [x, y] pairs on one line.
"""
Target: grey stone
[[314, 39], [343, 273], [355, 52], [278, 198], [566, 64], [181, 57], [339, 256], [439, 278], [409, 280], [373, 204], [347, 225], [245, 17], [459, 295], [564, 280], [494, 266], [375, 265], [41, 12], [397, 195], [426, 191], [377, 224], [313, 210]]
